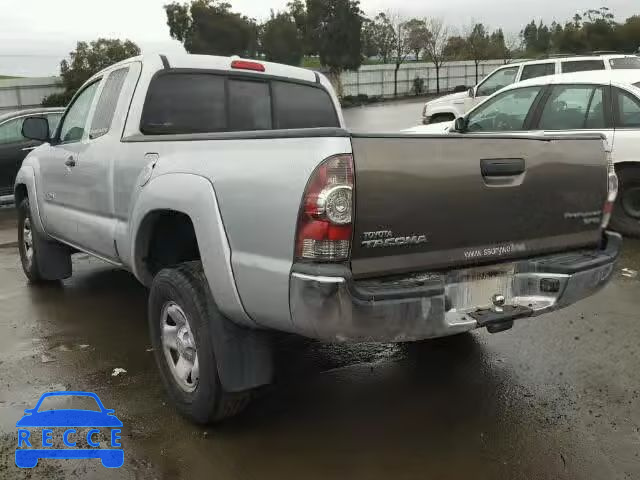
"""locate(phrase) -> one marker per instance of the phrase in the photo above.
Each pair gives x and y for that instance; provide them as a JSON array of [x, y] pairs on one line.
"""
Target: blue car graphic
[[69, 419]]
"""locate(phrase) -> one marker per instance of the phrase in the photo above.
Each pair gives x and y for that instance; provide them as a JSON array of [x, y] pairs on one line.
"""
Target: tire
[[178, 295], [626, 211], [42, 260], [441, 118]]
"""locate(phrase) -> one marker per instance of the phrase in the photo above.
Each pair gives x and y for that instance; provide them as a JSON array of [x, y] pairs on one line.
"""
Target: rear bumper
[[335, 307]]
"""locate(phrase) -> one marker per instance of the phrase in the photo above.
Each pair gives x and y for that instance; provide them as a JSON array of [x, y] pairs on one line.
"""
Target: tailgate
[[439, 202]]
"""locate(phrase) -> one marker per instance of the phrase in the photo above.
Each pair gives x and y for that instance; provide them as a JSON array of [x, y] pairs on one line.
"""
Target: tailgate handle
[[502, 167]]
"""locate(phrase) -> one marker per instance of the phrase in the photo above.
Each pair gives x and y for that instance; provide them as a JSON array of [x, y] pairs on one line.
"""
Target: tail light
[[612, 192], [325, 221]]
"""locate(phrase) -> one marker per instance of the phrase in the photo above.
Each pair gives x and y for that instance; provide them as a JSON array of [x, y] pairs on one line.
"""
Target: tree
[[210, 27], [334, 32], [281, 41], [298, 11], [85, 61], [456, 48], [417, 36], [380, 35], [478, 45], [536, 38], [628, 34], [401, 47], [435, 48]]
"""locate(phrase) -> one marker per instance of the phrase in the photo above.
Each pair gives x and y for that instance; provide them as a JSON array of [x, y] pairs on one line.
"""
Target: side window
[[302, 106], [497, 81], [54, 120], [627, 110], [538, 70], [11, 132], [249, 105], [185, 103], [74, 121], [107, 103], [573, 107], [582, 66], [504, 112]]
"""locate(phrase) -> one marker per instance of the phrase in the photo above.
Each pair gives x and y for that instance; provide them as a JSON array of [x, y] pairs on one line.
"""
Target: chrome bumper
[[337, 308]]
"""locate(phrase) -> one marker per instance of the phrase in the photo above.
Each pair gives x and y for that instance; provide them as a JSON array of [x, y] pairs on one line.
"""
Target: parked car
[[232, 189], [607, 103], [14, 146], [450, 107]]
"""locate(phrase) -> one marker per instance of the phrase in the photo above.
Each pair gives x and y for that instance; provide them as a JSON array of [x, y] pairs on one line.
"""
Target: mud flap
[[54, 259], [244, 355]]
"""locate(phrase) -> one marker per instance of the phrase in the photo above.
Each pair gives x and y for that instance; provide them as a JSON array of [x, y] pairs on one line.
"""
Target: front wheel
[[181, 308], [42, 259], [626, 212]]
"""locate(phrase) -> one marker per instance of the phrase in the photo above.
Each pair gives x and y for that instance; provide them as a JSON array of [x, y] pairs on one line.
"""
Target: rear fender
[[236, 344], [194, 196]]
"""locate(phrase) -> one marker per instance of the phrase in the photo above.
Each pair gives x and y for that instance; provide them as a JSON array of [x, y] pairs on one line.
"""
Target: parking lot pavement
[[556, 397]]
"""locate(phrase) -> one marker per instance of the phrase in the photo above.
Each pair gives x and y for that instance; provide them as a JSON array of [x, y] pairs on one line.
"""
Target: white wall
[[19, 93], [377, 80]]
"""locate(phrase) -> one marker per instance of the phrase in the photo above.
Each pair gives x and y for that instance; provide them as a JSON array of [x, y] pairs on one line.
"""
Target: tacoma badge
[[386, 238]]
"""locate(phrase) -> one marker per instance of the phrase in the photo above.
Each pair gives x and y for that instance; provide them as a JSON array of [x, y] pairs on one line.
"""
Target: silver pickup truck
[[232, 190]]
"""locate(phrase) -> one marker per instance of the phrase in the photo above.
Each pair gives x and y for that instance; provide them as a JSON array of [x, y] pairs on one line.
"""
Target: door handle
[[502, 167], [28, 149], [71, 162]]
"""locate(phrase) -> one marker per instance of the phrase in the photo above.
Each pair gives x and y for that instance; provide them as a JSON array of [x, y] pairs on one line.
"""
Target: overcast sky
[[36, 34]]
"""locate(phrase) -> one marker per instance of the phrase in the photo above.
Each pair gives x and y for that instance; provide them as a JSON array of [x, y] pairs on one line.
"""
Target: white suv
[[456, 105]]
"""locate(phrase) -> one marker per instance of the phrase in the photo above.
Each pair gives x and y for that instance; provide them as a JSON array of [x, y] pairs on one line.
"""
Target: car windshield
[[68, 402], [624, 63]]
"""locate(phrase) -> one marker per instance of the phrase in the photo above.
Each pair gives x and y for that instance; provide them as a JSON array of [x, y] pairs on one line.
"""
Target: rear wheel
[[626, 212], [441, 118], [181, 309]]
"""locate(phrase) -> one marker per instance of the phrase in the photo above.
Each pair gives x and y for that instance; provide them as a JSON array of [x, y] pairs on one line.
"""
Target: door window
[[582, 66], [538, 70], [624, 63], [505, 112], [73, 123], [497, 81], [106, 107], [574, 107], [627, 111], [11, 132]]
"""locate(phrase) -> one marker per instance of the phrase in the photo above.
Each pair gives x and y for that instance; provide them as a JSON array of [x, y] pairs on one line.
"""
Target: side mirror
[[36, 128], [472, 92], [460, 125]]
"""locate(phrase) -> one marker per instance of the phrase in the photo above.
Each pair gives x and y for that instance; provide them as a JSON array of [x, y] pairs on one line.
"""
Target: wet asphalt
[[557, 397]]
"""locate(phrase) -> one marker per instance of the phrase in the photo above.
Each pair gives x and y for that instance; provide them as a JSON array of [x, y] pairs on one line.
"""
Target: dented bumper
[[331, 305]]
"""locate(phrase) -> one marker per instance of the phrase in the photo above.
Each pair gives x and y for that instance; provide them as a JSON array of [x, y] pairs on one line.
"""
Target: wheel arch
[[164, 198]]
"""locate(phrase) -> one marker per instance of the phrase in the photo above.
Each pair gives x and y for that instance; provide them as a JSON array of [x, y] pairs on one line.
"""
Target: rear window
[[249, 105], [180, 103], [538, 70], [582, 66], [300, 106], [624, 63], [185, 103]]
